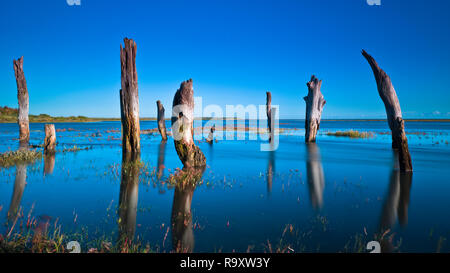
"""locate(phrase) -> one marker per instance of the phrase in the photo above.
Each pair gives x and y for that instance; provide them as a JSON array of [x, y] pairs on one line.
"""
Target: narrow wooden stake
[[161, 120], [269, 114], [22, 96], [129, 100], [183, 127], [394, 113], [50, 138], [314, 106]]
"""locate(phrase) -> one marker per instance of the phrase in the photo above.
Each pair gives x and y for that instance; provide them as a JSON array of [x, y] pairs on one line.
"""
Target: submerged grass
[[351, 134], [12, 158]]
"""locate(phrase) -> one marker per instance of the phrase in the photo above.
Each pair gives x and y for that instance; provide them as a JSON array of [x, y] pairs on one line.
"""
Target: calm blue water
[[311, 198]]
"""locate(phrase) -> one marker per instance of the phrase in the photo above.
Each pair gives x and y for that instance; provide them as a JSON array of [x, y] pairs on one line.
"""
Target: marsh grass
[[351, 134], [11, 158]]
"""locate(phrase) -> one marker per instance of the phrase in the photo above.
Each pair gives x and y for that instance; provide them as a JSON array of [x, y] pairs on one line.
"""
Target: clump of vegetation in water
[[12, 158], [351, 134], [75, 148]]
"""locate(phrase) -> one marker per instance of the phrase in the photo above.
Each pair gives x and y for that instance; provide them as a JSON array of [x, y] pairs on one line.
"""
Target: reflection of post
[[181, 220], [19, 187], [49, 163], [161, 156], [394, 113], [270, 171], [315, 176], [22, 96], [396, 204], [128, 199]]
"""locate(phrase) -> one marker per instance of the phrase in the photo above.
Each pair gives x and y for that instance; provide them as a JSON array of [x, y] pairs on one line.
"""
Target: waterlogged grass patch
[[12, 158], [351, 134]]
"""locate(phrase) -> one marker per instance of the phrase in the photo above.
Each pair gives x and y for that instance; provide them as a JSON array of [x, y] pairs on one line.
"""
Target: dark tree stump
[[50, 138], [210, 138], [161, 120], [394, 113], [129, 99], [183, 127], [314, 106], [22, 96]]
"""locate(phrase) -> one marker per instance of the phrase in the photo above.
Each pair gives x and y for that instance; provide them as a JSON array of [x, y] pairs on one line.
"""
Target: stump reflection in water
[[19, 187], [315, 175]]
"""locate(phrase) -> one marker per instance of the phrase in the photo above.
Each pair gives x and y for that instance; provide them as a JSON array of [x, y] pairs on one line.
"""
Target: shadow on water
[[181, 220], [396, 204], [128, 199], [315, 175], [161, 157], [19, 187]]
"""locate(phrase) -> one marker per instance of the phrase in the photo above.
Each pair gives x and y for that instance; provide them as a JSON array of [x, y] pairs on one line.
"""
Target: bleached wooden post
[[269, 114], [161, 120], [314, 106], [183, 127], [50, 138], [22, 96], [394, 113], [129, 99]]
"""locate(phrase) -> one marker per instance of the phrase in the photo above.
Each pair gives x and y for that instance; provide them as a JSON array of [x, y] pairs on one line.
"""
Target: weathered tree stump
[[314, 106], [50, 138], [315, 175], [161, 120], [23, 98], [183, 127], [269, 114], [129, 99], [394, 113], [210, 138]]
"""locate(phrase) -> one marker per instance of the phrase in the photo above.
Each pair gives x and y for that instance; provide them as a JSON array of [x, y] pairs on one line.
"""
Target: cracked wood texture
[[314, 106], [129, 99], [183, 127], [394, 113], [161, 121], [50, 138], [22, 97]]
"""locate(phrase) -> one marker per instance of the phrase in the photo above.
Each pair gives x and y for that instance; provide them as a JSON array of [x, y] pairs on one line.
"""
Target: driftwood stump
[[129, 99], [161, 120], [50, 138], [314, 106], [22, 97], [269, 114], [394, 113], [183, 127], [210, 138], [128, 199]]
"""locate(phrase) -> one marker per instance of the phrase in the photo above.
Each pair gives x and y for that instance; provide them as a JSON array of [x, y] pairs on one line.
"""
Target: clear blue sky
[[234, 50]]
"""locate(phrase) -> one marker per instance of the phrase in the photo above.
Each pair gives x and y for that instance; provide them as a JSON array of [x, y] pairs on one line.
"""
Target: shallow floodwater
[[333, 196]]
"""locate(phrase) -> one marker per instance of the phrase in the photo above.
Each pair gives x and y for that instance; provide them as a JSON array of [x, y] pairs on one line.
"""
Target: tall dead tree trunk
[[161, 120], [50, 138], [183, 127], [22, 96], [129, 100], [314, 106], [269, 114], [394, 113]]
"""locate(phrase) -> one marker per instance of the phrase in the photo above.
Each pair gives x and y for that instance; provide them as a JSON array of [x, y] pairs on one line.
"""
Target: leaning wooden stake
[[183, 127], [22, 96], [161, 120], [269, 114], [314, 106], [50, 138], [129, 99], [394, 113]]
